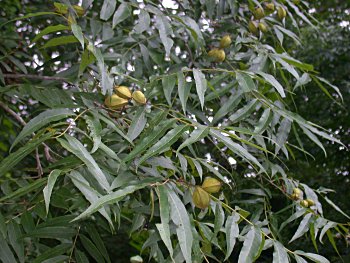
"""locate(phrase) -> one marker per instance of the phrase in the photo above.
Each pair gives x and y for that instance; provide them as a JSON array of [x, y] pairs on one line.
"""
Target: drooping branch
[[28, 76]]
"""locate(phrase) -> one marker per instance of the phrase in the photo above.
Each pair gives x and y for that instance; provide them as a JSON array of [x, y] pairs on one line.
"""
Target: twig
[[12, 113], [74, 243], [28, 76], [38, 163], [20, 120]]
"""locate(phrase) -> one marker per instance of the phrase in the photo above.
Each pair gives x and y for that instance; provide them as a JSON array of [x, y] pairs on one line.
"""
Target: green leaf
[[114, 126], [232, 232], [49, 187], [197, 135], [122, 13], [74, 146], [182, 223], [116, 196], [28, 16], [219, 219], [331, 240], [91, 248], [251, 245], [53, 232], [183, 89], [228, 106], [312, 256], [89, 193], [164, 210], [95, 127], [236, 148], [144, 21], [242, 113], [280, 254], [41, 121], [164, 28], [108, 8], [14, 158], [201, 85], [138, 123], [168, 83], [282, 134], [314, 138], [98, 242], [78, 33], [296, 215], [6, 255], [16, 240], [271, 79], [86, 59], [3, 228], [80, 256], [147, 141], [336, 89], [58, 41], [303, 227], [48, 30], [24, 190], [52, 252], [264, 121], [336, 207], [299, 259], [245, 81], [168, 139], [325, 229]]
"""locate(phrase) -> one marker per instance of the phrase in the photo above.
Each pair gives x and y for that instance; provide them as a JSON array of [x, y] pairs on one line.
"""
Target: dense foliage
[[207, 169]]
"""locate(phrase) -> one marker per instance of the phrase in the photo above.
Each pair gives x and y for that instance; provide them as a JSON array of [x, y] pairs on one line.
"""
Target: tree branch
[[12, 113], [28, 76]]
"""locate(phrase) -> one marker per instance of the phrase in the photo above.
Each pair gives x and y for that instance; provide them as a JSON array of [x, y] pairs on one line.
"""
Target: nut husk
[[211, 185], [252, 27], [281, 12], [200, 198], [123, 92], [139, 97], [262, 27], [259, 13], [310, 202], [295, 196], [115, 102], [297, 191], [225, 41], [79, 10], [61, 8], [270, 6], [304, 203], [218, 55]]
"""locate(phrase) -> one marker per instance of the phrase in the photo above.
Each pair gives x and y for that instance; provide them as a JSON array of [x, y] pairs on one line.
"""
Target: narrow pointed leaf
[[74, 146], [169, 139], [197, 135], [201, 85], [280, 254], [138, 124], [232, 232], [303, 227], [49, 187], [181, 219], [41, 121], [251, 245]]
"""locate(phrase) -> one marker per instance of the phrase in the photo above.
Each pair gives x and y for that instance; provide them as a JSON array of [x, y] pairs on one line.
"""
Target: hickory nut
[[123, 92], [200, 198], [211, 185], [139, 97], [218, 55], [225, 41], [115, 102]]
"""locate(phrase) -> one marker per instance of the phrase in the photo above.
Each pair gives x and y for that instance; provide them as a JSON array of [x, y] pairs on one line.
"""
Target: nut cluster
[[257, 24], [218, 54], [122, 96], [201, 198], [297, 195]]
